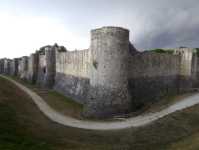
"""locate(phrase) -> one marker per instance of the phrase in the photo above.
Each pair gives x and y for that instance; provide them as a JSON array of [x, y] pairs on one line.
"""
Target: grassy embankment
[[23, 126]]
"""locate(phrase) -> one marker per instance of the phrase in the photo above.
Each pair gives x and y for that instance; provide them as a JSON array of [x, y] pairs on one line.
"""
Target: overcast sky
[[27, 25]]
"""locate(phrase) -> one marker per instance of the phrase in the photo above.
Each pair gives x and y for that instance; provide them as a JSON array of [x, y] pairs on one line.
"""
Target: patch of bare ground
[[165, 133]]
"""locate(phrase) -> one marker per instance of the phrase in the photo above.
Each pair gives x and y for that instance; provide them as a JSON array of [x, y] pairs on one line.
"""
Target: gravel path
[[126, 123]]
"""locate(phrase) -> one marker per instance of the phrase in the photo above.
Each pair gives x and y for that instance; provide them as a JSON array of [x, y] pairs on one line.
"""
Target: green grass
[[67, 100], [54, 99], [54, 94], [193, 119], [12, 134], [38, 132]]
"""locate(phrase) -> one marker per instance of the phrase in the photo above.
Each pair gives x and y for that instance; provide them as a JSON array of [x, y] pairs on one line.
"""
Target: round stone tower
[[6, 66], [49, 79], [1, 66], [15, 66], [108, 94], [34, 60], [24, 70]]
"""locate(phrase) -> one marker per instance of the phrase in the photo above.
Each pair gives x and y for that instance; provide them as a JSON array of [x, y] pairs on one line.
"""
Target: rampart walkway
[[132, 122]]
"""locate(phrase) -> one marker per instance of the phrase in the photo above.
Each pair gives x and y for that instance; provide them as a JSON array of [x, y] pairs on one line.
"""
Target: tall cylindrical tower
[[15, 66], [49, 79], [6, 66], [34, 61], [108, 94], [1, 66], [24, 69]]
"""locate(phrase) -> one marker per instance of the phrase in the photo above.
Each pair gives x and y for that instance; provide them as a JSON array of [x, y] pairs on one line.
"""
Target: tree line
[[169, 51], [42, 49]]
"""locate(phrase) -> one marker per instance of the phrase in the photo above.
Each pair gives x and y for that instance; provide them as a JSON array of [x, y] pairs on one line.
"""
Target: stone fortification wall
[[33, 67], [152, 75], [15, 66], [1, 71], [72, 74], [28, 74], [197, 71], [75, 63], [111, 77], [187, 68], [11, 68], [24, 70], [195, 80], [108, 92], [41, 67], [1, 66], [19, 68], [6, 66], [49, 78]]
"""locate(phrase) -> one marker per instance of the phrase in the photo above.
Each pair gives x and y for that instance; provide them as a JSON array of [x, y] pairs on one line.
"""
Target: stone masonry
[[111, 77]]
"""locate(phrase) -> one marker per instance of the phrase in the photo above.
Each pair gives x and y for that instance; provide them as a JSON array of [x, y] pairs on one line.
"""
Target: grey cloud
[[173, 27], [153, 24]]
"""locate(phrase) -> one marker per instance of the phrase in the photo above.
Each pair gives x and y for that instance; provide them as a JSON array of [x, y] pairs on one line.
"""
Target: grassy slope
[[12, 135], [23, 125], [55, 100]]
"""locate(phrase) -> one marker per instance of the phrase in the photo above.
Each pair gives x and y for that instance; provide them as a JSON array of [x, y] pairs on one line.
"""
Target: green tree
[[56, 45], [169, 51], [197, 51], [155, 51], [63, 49], [42, 49], [182, 47], [158, 51]]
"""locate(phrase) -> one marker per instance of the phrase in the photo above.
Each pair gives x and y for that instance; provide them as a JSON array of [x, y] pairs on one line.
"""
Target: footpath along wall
[[111, 77]]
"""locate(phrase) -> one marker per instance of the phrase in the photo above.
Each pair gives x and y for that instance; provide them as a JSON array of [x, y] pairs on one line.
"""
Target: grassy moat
[[23, 125]]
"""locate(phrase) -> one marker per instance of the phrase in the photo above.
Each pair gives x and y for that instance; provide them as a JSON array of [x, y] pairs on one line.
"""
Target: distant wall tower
[[6, 66], [187, 68], [34, 60], [24, 69], [15, 66], [1, 66], [108, 94], [49, 79]]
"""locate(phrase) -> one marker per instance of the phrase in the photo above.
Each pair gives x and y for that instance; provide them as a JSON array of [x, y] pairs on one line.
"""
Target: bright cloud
[[28, 25], [21, 35]]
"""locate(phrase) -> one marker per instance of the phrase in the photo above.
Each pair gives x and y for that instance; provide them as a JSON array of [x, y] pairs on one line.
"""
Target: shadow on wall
[[111, 77]]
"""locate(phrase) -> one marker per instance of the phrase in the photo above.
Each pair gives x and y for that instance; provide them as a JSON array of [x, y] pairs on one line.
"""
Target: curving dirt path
[[127, 123]]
